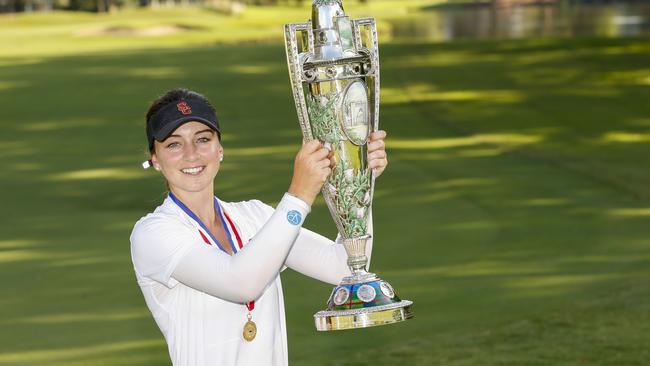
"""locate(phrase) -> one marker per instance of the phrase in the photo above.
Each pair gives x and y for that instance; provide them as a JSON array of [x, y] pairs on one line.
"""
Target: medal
[[250, 329]]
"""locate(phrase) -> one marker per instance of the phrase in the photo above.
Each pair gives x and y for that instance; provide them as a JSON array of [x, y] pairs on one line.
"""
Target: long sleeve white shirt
[[196, 292]]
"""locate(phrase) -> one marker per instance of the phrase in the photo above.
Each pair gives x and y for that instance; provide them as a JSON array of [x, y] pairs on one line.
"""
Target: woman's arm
[[244, 277], [318, 257]]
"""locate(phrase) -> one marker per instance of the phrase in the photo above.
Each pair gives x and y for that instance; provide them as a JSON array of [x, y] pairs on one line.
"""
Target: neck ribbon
[[205, 228]]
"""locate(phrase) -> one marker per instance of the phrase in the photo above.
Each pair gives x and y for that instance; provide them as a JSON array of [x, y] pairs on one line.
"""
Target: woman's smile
[[193, 171]]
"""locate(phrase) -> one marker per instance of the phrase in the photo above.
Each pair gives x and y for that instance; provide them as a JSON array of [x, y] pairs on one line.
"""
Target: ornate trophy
[[334, 69]]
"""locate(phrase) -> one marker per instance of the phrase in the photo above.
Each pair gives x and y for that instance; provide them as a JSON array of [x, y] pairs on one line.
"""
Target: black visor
[[171, 116]]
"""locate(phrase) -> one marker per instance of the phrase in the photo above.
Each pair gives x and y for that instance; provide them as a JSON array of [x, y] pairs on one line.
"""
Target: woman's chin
[[194, 184]]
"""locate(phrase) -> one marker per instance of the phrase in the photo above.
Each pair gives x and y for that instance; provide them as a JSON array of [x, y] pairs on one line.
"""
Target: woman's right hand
[[311, 168]]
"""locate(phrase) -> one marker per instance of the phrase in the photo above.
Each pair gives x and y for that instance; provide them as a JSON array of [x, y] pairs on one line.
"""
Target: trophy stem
[[356, 250]]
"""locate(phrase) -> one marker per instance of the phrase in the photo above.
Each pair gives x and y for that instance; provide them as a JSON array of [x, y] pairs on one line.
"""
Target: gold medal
[[250, 329]]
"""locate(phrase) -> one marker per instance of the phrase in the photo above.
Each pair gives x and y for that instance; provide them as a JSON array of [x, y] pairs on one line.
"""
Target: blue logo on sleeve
[[294, 217]]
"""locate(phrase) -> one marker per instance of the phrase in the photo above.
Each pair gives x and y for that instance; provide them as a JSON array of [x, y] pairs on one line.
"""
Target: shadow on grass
[[517, 185]]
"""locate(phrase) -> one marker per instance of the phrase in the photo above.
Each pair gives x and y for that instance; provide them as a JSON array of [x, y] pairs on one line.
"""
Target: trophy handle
[[370, 43], [295, 61], [368, 27]]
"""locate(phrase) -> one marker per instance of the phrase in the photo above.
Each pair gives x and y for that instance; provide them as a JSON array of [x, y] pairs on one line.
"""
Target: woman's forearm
[[244, 276]]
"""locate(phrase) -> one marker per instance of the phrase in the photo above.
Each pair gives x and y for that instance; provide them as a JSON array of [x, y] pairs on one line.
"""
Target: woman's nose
[[190, 152]]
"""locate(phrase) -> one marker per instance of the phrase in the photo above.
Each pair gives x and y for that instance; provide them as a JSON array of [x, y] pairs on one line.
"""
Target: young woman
[[209, 269]]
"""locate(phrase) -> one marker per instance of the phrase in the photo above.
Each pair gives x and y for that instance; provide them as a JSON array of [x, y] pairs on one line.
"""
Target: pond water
[[482, 21]]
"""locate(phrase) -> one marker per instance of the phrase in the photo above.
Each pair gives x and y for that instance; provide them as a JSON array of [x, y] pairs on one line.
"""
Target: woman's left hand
[[377, 160]]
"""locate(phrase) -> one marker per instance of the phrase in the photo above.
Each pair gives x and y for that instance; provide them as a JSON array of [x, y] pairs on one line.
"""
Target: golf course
[[514, 213]]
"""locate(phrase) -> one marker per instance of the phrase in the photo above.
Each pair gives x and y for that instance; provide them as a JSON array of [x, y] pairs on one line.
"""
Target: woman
[[209, 269]]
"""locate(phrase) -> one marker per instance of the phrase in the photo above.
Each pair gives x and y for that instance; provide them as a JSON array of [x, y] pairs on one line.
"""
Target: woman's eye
[[204, 139], [173, 145]]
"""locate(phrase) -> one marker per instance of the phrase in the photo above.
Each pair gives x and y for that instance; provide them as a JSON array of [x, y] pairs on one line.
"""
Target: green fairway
[[514, 212]]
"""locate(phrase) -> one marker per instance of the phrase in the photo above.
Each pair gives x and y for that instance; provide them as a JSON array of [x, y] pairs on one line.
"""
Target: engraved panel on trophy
[[355, 118]]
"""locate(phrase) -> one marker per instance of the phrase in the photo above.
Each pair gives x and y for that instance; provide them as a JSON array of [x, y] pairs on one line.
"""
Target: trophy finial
[[327, 2], [324, 18]]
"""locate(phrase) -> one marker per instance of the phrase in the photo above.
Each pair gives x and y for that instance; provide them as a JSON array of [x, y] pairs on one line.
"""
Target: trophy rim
[[363, 318]]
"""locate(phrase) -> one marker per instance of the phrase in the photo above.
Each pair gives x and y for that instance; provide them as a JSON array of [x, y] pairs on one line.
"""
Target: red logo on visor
[[184, 108]]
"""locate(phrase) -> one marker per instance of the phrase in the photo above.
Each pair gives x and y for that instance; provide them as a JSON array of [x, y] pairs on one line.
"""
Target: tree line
[[100, 6]]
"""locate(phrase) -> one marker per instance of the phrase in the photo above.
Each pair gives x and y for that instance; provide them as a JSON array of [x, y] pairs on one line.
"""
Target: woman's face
[[189, 157]]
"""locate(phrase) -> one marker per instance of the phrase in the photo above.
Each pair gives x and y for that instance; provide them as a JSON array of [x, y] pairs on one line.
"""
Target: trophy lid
[[323, 11]]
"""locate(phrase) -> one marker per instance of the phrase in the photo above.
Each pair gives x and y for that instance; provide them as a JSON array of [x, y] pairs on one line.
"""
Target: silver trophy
[[334, 69]]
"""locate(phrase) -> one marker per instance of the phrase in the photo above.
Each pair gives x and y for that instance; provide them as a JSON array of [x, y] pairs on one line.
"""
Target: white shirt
[[196, 292]]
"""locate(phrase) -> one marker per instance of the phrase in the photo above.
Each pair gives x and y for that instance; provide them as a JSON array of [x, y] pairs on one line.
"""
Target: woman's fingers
[[378, 163], [374, 145], [311, 169], [377, 154], [332, 159], [379, 135], [377, 158], [311, 146], [321, 153], [378, 166]]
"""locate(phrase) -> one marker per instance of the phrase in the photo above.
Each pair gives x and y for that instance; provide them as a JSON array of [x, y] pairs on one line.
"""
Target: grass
[[514, 212]]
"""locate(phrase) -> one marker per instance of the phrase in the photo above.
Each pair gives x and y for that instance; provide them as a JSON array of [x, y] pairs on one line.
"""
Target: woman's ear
[[154, 161]]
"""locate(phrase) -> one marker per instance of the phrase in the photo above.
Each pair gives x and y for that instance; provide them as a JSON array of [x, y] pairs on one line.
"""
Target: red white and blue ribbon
[[231, 229], [228, 225]]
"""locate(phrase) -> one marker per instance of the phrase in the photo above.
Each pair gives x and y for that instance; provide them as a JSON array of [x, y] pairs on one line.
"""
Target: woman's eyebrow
[[206, 130]]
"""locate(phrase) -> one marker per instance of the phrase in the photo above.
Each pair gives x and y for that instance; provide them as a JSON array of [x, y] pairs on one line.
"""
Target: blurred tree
[[14, 6], [8, 6], [100, 6]]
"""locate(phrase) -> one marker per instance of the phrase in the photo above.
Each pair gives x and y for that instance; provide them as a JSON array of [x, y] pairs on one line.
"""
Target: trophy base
[[362, 304], [363, 318]]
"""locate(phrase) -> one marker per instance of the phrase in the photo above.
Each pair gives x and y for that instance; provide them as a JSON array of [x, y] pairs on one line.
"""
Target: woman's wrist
[[308, 199], [307, 205], [294, 208]]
